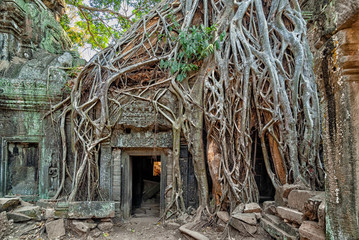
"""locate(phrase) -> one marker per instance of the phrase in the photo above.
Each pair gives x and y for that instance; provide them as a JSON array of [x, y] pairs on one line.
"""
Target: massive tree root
[[255, 90]]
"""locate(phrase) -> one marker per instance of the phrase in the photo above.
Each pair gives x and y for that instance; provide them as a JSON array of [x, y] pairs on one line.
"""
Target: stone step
[[310, 230], [298, 198], [278, 222], [290, 214], [275, 231]]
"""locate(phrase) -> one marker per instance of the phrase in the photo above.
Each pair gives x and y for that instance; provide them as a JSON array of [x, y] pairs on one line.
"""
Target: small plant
[[196, 44]]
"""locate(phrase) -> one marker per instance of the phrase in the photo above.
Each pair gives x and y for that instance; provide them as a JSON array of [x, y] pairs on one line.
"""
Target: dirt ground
[[143, 228]]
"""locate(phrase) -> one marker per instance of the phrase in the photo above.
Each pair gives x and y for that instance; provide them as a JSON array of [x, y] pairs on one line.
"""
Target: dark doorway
[[265, 186], [22, 169], [146, 178]]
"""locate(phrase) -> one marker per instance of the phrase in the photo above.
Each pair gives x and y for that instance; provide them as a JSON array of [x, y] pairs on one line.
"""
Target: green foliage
[[196, 44], [99, 22]]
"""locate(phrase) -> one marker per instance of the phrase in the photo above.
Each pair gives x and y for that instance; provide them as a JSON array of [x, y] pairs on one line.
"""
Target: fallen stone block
[[86, 210], [80, 227], [243, 227], [7, 204], [282, 193], [275, 231], [290, 214], [224, 216], [31, 211], [239, 209], [310, 230], [269, 207], [252, 208], [105, 226], [249, 218], [55, 229], [297, 198], [279, 223], [18, 217], [312, 205]]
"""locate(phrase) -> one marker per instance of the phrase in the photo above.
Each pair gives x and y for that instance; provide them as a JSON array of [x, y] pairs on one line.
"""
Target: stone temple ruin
[[135, 164], [35, 60]]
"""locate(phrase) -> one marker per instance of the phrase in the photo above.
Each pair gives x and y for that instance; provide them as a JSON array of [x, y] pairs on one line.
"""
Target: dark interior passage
[[146, 177], [265, 186]]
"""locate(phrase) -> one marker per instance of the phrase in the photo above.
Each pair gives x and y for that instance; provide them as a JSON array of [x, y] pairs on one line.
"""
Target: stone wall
[[334, 37], [33, 59]]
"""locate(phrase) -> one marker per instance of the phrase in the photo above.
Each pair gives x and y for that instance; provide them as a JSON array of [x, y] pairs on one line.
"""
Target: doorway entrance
[[146, 180], [22, 167], [263, 181], [143, 182]]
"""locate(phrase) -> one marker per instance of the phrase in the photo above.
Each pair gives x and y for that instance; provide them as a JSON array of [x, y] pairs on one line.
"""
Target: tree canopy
[[100, 22]]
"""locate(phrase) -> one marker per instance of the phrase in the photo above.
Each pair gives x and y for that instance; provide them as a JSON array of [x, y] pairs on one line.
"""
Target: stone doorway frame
[[126, 172], [4, 157]]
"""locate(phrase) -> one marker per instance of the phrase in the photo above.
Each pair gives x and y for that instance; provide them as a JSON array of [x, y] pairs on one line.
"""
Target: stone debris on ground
[[287, 217], [311, 230], [55, 229], [7, 204], [302, 216]]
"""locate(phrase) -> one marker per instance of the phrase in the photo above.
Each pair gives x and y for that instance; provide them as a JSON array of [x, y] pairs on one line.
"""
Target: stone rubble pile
[[55, 220], [244, 220], [296, 213]]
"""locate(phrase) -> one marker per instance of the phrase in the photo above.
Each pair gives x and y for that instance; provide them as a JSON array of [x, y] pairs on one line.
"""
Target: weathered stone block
[[297, 198], [224, 216], [275, 231], [31, 211], [290, 214], [310, 230], [80, 227], [7, 204], [269, 207], [105, 226], [243, 227], [282, 193], [85, 210], [18, 217], [279, 223], [249, 218], [252, 208], [55, 229]]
